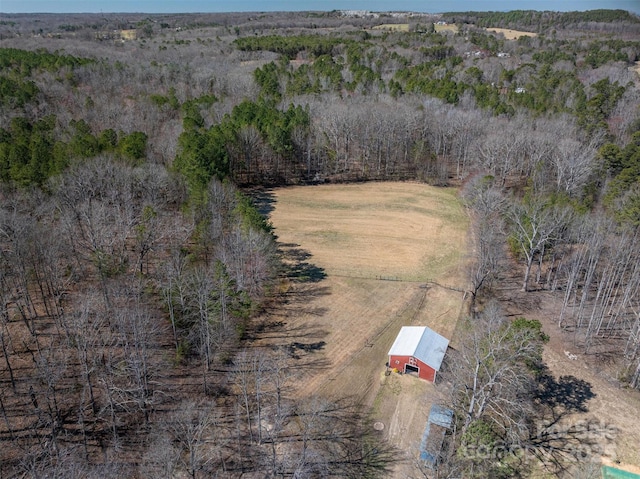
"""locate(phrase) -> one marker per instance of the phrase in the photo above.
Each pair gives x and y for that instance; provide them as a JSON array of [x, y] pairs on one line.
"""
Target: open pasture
[[448, 27], [368, 259], [400, 231], [512, 34], [395, 27]]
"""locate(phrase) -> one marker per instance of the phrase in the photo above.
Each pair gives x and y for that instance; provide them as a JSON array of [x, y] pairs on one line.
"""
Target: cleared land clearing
[[371, 254], [396, 27], [512, 34], [446, 28], [607, 401], [400, 231]]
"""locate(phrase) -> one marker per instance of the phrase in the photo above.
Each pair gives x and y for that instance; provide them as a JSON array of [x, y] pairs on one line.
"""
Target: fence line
[[379, 277]]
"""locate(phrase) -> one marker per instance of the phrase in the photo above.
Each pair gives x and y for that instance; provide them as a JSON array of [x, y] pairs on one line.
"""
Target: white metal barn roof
[[422, 343]]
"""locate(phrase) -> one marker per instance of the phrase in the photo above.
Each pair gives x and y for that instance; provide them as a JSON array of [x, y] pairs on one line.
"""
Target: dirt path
[[612, 405]]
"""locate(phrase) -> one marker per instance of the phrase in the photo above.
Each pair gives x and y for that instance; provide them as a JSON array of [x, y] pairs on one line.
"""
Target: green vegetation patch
[[25, 61], [613, 473], [540, 20]]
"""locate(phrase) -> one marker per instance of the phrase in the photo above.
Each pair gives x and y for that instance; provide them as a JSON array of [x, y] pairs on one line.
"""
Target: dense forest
[[134, 260]]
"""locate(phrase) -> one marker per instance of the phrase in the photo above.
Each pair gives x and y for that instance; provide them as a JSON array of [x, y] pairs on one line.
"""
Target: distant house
[[520, 90], [476, 54], [117, 35], [418, 349]]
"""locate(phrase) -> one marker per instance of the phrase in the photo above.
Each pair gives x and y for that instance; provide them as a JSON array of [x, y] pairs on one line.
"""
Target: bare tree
[[493, 381], [249, 140], [196, 431], [138, 336], [535, 227], [5, 338], [501, 150], [574, 164], [174, 292], [490, 374], [162, 458], [486, 204]]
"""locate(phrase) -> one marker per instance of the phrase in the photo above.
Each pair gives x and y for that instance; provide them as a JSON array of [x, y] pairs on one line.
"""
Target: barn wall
[[426, 372], [399, 362]]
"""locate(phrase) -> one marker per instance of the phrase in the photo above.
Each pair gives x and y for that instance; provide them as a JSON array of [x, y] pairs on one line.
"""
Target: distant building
[[418, 349], [118, 35], [520, 90], [476, 54]]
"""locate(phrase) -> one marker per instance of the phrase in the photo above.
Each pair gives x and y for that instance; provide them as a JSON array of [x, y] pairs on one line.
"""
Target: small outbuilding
[[440, 420], [418, 349]]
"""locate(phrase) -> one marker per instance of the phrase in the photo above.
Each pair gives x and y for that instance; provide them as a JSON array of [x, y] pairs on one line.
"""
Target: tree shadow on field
[[296, 265], [296, 346], [561, 443], [264, 200], [282, 330]]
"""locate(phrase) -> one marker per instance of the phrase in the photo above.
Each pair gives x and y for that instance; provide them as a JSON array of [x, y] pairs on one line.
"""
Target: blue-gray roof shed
[[440, 419]]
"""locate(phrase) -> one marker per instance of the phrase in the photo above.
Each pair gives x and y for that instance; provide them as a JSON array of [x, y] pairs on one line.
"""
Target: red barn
[[418, 349]]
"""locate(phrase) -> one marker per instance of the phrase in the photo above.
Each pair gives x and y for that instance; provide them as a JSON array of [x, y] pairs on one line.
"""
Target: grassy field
[[367, 259], [396, 27], [512, 34], [446, 28], [402, 231]]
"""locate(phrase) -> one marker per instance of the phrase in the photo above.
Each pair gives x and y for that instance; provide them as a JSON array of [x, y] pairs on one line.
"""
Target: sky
[[189, 6]]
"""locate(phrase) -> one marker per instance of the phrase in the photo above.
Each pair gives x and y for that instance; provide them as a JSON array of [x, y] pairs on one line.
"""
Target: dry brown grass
[[512, 34], [383, 248], [395, 27], [404, 231], [446, 28]]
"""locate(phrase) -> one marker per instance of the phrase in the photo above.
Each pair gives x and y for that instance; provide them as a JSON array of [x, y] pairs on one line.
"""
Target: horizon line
[[101, 12]]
